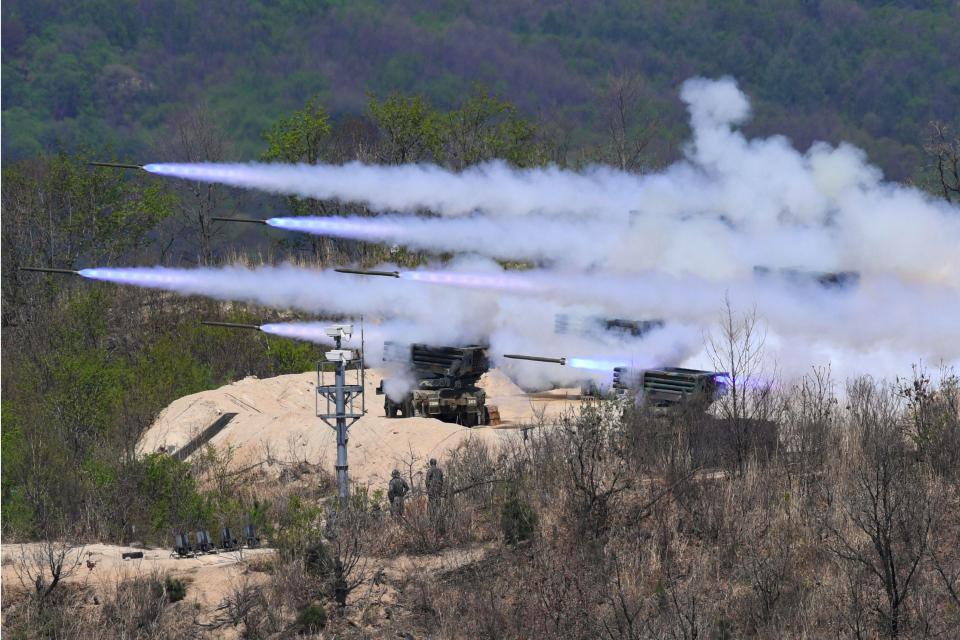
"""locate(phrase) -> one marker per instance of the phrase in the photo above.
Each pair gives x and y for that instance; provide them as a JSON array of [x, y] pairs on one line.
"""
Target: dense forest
[[873, 73]]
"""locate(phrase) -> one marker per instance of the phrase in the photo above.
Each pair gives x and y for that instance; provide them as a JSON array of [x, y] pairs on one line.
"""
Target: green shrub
[[312, 619], [175, 589], [518, 520]]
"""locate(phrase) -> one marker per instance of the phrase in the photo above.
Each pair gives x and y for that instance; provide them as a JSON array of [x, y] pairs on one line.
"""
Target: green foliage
[[412, 128], [299, 137], [299, 530], [164, 370], [17, 512], [170, 493], [363, 500], [291, 356], [108, 71], [175, 589], [312, 619], [518, 520], [486, 127], [57, 211], [103, 208], [90, 377]]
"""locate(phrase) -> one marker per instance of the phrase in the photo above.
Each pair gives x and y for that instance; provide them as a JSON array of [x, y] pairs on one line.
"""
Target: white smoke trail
[[515, 238], [465, 314], [859, 322]]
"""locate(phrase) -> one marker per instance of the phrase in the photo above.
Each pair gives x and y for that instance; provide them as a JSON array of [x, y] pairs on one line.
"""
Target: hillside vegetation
[[874, 73]]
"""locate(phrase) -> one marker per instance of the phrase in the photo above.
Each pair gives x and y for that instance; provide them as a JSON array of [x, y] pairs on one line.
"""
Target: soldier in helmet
[[434, 482], [396, 492]]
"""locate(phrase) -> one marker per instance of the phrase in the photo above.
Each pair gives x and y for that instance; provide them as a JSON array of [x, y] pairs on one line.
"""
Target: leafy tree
[[486, 127], [411, 129], [299, 137]]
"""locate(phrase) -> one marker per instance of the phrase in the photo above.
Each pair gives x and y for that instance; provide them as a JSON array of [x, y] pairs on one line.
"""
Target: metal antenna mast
[[344, 403]]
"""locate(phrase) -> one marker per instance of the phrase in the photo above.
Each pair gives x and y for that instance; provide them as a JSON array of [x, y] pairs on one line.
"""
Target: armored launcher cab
[[680, 399], [598, 326], [446, 383], [671, 385], [826, 279]]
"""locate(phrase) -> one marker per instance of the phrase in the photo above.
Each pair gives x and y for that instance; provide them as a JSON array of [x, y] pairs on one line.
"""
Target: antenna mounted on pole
[[343, 400]]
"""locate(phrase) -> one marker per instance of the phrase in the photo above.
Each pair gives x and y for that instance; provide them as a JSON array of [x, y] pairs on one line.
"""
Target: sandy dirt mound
[[276, 417]]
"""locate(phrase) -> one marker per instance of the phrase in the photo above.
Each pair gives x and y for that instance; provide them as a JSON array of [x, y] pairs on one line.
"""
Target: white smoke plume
[[731, 204]]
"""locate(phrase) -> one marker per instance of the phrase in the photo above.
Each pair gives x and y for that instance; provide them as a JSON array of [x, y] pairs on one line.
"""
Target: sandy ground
[[211, 578], [278, 416], [212, 575]]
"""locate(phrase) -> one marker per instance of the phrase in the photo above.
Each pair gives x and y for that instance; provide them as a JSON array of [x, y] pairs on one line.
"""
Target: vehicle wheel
[[390, 409], [485, 416]]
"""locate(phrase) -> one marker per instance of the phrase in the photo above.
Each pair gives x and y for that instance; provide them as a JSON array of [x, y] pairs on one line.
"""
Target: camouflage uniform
[[434, 486], [396, 492], [434, 481]]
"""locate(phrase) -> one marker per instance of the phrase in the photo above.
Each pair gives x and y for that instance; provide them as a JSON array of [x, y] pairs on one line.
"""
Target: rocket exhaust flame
[[494, 237], [308, 331], [149, 277], [594, 364], [356, 228], [576, 363]]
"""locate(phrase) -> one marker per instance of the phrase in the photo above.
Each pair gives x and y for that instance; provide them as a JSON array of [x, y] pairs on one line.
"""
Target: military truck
[[826, 279], [678, 401], [671, 386], [601, 327], [446, 383]]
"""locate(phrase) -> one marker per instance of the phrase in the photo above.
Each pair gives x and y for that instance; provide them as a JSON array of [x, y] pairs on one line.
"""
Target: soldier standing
[[434, 484], [396, 492]]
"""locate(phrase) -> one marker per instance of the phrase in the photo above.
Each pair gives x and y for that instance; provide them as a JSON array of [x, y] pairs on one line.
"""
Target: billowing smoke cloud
[[731, 204]]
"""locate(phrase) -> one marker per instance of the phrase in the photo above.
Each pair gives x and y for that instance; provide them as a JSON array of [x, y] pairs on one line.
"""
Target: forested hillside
[[83, 73]]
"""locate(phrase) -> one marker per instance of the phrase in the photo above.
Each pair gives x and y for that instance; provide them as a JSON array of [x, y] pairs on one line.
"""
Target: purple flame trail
[[341, 227], [595, 365], [151, 277]]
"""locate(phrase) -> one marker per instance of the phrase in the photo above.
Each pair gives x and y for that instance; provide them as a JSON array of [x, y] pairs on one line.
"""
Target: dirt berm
[[276, 417]]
